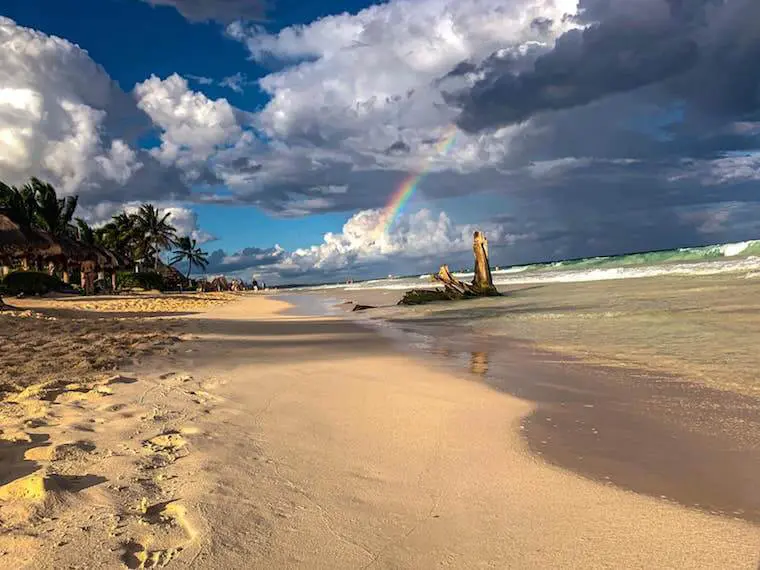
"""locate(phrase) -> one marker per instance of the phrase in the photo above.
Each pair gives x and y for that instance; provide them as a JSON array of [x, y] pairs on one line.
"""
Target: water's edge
[[651, 434]]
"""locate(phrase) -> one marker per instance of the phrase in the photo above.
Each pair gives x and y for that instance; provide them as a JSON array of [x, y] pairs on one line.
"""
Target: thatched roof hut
[[17, 242], [13, 241]]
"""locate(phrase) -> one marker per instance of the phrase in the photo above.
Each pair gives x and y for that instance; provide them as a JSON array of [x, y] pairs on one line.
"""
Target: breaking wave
[[706, 260]]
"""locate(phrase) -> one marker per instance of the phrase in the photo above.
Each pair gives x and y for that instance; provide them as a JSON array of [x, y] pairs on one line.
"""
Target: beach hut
[[31, 246], [22, 244], [13, 243]]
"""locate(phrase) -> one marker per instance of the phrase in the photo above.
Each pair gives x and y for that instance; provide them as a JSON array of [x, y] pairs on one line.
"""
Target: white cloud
[[194, 126], [201, 79], [363, 81], [55, 104], [737, 168], [236, 82]]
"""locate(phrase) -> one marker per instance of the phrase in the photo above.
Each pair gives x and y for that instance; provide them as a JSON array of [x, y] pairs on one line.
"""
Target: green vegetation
[[188, 250], [130, 240], [30, 283], [148, 280]]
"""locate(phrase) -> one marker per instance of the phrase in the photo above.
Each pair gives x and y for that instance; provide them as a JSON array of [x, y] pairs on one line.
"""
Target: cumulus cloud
[[194, 127], [62, 118], [219, 10], [365, 78]]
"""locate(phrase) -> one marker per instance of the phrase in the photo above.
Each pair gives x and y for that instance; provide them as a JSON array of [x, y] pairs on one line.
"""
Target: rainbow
[[405, 190]]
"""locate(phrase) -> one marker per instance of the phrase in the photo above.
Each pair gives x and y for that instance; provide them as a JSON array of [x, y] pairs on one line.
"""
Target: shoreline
[[310, 442], [648, 431]]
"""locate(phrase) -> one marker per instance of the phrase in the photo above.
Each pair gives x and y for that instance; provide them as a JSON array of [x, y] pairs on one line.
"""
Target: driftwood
[[481, 286]]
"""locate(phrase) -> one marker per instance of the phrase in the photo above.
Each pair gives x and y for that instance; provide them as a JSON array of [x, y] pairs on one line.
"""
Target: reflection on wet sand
[[479, 362], [654, 435]]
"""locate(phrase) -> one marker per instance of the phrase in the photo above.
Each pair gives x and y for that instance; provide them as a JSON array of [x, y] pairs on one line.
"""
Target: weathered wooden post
[[483, 280]]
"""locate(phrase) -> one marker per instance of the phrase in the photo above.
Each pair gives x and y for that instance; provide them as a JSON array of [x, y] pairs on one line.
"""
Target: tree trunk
[[483, 280], [481, 286], [451, 283]]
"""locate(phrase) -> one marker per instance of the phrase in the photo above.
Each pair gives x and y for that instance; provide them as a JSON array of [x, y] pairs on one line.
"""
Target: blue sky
[[579, 132]]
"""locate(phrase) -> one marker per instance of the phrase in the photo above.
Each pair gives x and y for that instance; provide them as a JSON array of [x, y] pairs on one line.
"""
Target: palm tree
[[85, 233], [19, 205], [119, 235], [154, 233], [52, 214], [188, 250]]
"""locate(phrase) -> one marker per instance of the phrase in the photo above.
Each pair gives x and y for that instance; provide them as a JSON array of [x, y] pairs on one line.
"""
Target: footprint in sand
[[165, 449], [170, 533]]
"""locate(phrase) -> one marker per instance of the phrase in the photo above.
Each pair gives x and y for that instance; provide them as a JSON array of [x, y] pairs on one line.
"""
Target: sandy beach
[[237, 434]]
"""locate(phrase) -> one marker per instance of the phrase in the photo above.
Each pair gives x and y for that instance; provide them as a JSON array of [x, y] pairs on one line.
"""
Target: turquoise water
[[742, 258]]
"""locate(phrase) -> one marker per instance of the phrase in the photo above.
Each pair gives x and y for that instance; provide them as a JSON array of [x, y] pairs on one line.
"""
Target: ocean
[[706, 260]]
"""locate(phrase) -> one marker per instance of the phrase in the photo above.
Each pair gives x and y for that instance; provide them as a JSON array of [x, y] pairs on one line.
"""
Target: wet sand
[[659, 430], [655, 435]]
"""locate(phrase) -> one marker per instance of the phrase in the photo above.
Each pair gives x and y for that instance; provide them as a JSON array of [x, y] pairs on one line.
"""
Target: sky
[[277, 132]]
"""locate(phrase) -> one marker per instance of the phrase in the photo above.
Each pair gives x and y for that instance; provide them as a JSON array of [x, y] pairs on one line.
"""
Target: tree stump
[[481, 286], [483, 280]]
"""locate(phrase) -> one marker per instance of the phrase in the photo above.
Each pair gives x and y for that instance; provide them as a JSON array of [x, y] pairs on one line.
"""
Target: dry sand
[[264, 440]]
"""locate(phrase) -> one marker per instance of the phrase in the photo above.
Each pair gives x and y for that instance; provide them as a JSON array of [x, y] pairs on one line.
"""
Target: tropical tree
[[18, 204], [52, 214], [85, 233], [154, 232], [187, 250], [119, 235]]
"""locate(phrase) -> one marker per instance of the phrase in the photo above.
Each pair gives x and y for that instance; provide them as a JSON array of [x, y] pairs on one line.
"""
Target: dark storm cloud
[[223, 11], [543, 25], [702, 51], [248, 259], [399, 147], [246, 165]]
